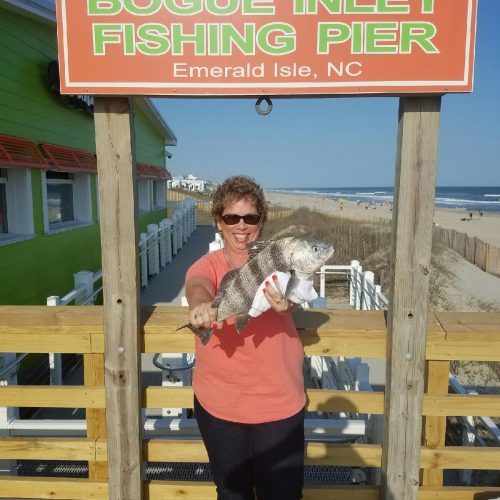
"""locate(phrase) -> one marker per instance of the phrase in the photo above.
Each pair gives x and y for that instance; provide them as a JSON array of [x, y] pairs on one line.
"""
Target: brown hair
[[234, 189]]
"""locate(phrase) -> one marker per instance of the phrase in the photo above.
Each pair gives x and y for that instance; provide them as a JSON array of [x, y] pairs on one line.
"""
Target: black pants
[[267, 458]]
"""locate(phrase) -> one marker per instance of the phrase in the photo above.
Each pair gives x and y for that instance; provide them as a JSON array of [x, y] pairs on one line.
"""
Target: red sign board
[[265, 47]]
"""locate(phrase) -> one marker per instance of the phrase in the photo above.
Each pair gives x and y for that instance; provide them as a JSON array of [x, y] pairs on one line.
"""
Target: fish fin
[[203, 333], [256, 247], [241, 322], [292, 283], [224, 285]]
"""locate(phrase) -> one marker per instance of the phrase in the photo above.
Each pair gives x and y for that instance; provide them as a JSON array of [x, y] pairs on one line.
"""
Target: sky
[[340, 142]]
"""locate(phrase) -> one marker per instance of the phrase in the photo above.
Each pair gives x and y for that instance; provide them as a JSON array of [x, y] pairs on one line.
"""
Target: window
[[144, 194], [68, 200], [159, 194], [16, 205], [60, 197], [4, 228]]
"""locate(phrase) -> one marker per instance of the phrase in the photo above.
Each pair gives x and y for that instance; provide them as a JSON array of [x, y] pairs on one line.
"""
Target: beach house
[[49, 208]]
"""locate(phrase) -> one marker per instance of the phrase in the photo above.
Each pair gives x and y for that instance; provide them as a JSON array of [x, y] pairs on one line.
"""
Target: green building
[[49, 210]]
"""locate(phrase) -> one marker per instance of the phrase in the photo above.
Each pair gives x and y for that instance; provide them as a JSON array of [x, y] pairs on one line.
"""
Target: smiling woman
[[249, 388]]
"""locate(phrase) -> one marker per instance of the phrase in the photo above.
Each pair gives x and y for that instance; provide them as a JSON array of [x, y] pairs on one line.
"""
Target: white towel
[[302, 291]]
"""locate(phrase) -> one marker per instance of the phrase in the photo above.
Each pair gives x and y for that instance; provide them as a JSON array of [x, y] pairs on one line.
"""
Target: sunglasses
[[232, 219]]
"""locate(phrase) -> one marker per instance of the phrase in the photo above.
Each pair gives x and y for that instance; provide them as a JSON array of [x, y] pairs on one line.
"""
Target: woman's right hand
[[203, 315]]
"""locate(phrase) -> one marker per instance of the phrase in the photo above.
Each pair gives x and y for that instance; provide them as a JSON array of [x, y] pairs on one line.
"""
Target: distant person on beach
[[249, 388]]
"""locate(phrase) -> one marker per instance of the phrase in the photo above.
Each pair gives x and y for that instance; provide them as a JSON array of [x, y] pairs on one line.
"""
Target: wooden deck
[[451, 336]]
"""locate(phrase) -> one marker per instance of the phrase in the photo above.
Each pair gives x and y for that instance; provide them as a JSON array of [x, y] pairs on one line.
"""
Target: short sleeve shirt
[[250, 377]]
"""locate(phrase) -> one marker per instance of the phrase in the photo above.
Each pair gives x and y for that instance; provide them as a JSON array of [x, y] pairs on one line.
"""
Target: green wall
[[28, 108], [33, 269]]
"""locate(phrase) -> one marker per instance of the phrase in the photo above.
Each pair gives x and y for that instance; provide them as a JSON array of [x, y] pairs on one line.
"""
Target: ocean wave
[[492, 195], [459, 201]]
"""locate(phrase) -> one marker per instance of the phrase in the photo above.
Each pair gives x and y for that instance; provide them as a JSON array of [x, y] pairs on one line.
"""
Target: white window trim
[[82, 203], [19, 195], [144, 195], [161, 194]]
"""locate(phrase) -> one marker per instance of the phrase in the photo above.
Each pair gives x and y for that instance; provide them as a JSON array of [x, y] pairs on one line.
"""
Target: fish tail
[[204, 334]]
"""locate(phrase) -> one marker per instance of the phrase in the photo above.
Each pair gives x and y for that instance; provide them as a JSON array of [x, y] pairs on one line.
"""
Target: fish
[[300, 257]]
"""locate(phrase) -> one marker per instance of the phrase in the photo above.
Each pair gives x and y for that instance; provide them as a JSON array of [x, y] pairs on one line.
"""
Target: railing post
[[352, 284], [153, 249], [368, 290], [193, 215], [178, 214], [55, 359], [115, 148], [175, 232], [166, 225], [414, 194], [434, 428], [376, 298], [85, 281], [322, 281], [93, 375], [359, 287], [185, 221], [143, 257], [161, 245]]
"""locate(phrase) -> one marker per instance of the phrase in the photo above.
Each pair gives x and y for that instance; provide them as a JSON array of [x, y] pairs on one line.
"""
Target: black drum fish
[[299, 256]]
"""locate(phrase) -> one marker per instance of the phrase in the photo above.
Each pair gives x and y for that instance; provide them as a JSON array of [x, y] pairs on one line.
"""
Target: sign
[[265, 47]]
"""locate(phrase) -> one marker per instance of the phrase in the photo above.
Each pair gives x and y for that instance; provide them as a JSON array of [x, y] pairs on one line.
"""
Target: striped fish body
[[237, 290], [238, 287]]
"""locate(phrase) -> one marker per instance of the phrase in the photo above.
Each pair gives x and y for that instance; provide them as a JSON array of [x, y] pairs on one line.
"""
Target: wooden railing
[[451, 336]]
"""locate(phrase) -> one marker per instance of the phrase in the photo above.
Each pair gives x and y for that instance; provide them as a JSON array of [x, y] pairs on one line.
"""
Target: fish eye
[[315, 248]]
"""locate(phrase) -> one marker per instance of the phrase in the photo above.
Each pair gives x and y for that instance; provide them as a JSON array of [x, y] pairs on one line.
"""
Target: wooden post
[[114, 133], [407, 319], [93, 374], [437, 382]]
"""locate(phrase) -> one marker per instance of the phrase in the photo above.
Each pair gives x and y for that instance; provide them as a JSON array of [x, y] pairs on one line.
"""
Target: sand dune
[[485, 227]]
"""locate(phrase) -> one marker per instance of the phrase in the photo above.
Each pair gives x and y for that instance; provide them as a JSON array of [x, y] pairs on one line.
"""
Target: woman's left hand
[[277, 300]]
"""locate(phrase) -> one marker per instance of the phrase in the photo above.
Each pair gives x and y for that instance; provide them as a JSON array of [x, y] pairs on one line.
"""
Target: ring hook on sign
[[265, 111]]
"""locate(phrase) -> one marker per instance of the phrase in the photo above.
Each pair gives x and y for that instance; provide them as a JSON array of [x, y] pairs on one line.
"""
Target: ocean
[[463, 197]]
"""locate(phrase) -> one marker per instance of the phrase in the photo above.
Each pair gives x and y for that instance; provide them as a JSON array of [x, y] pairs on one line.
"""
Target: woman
[[249, 387]]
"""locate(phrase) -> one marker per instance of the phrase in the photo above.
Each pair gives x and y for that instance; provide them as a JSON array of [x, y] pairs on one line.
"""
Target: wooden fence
[[72, 329], [204, 207], [476, 251]]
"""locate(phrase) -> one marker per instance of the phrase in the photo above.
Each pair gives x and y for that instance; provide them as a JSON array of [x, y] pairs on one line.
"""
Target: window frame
[[82, 202], [19, 204], [158, 191]]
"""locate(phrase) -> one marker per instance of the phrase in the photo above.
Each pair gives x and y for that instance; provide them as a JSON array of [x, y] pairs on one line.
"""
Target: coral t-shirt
[[249, 377]]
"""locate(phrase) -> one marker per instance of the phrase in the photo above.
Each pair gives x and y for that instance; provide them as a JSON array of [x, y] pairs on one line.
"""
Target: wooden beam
[[114, 133], [93, 375], [16, 448], [437, 382], [416, 160], [54, 488]]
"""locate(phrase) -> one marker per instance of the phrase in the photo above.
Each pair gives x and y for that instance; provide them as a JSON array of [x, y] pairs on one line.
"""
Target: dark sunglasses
[[232, 219]]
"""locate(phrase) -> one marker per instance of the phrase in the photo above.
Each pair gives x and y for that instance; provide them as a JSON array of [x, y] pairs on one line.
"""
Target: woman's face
[[239, 235]]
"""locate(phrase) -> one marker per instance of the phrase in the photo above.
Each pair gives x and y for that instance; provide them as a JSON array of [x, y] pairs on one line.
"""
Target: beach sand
[[485, 227], [465, 286]]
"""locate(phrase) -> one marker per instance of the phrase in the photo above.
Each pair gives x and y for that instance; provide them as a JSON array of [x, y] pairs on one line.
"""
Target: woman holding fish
[[248, 382]]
